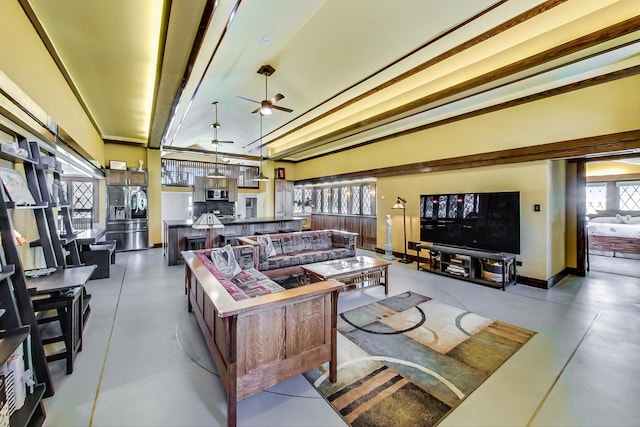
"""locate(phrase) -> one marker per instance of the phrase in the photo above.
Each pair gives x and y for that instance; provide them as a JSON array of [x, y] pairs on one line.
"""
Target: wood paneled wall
[[365, 226]]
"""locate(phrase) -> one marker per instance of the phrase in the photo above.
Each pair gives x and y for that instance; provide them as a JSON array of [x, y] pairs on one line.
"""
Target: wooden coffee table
[[356, 272]]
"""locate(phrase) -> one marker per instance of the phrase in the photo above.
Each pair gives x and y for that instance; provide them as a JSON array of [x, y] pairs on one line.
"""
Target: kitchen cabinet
[[199, 189], [283, 198], [117, 177], [233, 189], [201, 184]]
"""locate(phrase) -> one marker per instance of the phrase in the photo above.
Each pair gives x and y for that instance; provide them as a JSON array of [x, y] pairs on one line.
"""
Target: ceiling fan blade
[[256, 110], [225, 142], [277, 107], [247, 99], [277, 97]]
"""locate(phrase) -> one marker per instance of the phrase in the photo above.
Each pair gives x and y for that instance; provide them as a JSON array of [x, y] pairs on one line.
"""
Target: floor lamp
[[402, 204]]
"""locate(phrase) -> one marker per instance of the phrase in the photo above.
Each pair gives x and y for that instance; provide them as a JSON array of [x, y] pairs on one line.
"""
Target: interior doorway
[[612, 215], [251, 207]]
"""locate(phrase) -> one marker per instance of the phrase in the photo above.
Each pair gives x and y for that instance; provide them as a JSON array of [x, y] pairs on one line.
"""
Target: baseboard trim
[[546, 284]]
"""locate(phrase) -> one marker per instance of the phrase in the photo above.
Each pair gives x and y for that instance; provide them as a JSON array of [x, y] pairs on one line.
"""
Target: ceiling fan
[[267, 105], [215, 125]]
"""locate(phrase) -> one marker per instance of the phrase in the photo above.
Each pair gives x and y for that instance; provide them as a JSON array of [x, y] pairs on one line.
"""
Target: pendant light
[[216, 173], [261, 176]]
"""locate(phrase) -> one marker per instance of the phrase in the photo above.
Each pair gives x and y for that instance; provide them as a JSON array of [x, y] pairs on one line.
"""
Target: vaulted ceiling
[[148, 71]]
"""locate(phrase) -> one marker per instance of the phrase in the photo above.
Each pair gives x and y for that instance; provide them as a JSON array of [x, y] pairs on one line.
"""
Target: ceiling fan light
[[265, 108]]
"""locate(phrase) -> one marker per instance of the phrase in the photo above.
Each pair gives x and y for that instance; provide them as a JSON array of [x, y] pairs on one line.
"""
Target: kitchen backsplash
[[225, 208]]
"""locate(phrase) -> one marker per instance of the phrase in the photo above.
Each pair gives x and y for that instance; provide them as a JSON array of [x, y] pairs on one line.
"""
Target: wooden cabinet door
[[283, 198], [115, 177], [217, 183], [137, 178], [199, 191], [233, 189]]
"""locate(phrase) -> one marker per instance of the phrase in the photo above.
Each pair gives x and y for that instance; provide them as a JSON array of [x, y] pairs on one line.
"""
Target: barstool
[[68, 313], [228, 239], [195, 242]]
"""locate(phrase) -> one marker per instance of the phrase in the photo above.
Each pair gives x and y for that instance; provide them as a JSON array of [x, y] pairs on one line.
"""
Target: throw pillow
[[267, 245], [224, 260], [622, 219]]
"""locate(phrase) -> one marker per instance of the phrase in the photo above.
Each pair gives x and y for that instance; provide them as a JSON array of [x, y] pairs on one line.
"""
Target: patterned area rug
[[408, 360]]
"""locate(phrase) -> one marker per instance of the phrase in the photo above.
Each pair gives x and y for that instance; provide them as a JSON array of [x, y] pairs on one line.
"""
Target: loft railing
[[182, 173]]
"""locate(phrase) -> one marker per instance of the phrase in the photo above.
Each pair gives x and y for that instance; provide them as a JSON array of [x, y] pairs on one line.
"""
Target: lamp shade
[[400, 203], [207, 220], [216, 174], [261, 177]]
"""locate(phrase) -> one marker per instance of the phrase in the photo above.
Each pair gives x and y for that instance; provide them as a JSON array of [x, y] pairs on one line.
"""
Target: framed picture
[[16, 187], [118, 165], [280, 173]]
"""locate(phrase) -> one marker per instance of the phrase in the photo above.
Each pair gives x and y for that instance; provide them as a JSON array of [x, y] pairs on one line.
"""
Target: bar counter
[[175, 232]]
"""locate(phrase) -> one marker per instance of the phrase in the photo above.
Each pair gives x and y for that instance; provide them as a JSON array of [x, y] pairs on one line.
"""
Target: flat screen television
[[482, 221]]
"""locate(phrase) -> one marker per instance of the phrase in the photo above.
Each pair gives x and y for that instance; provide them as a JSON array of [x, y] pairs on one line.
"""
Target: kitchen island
[[175, 232]]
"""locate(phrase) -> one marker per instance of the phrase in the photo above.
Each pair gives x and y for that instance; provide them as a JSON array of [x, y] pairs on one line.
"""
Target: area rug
[[408, 360]]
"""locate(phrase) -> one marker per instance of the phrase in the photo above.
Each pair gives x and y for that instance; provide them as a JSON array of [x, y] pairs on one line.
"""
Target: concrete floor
[[144, 362]]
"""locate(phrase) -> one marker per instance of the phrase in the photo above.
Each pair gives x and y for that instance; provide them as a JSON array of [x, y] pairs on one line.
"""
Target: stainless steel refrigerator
[[128, 217]]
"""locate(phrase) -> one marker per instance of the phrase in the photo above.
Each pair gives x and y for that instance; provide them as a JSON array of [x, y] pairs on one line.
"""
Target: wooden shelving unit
[[18, 321], [470, 265]]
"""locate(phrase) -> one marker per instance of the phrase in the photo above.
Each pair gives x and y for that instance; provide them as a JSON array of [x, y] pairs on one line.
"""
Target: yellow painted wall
[[531, 179], [571, 235], [556, 221], [606, 108], [155, 196], [26, 62], [129, 153]]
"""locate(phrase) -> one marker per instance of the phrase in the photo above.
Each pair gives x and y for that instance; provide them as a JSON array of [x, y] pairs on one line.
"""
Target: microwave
[[215, 194]]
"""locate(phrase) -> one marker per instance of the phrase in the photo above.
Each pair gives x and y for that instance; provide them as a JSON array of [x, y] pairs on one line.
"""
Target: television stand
[[495, 269]]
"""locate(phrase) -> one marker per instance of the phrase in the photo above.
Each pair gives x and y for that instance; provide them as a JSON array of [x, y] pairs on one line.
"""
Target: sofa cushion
[[340, 240], [253, 283], [302, 258], [267, 249], [244, 256], [280, 261], [248, 283], [320, 240], [291, 243], [224, 260]]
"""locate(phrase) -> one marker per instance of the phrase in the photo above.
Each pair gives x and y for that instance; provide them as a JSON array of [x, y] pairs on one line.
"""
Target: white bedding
[[614, 230]]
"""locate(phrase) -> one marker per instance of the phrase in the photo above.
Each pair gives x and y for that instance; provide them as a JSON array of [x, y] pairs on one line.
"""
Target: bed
[[618, 233]]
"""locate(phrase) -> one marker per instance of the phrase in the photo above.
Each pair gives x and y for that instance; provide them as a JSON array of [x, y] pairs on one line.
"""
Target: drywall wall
[[530, 179]]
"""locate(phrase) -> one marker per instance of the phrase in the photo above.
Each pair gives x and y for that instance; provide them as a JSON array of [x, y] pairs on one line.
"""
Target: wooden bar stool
[[195, 242], [228, 239], [68, 309]]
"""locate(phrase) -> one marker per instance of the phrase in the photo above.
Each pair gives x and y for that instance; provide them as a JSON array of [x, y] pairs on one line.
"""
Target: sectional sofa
[[287, 252], [258, 333]]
